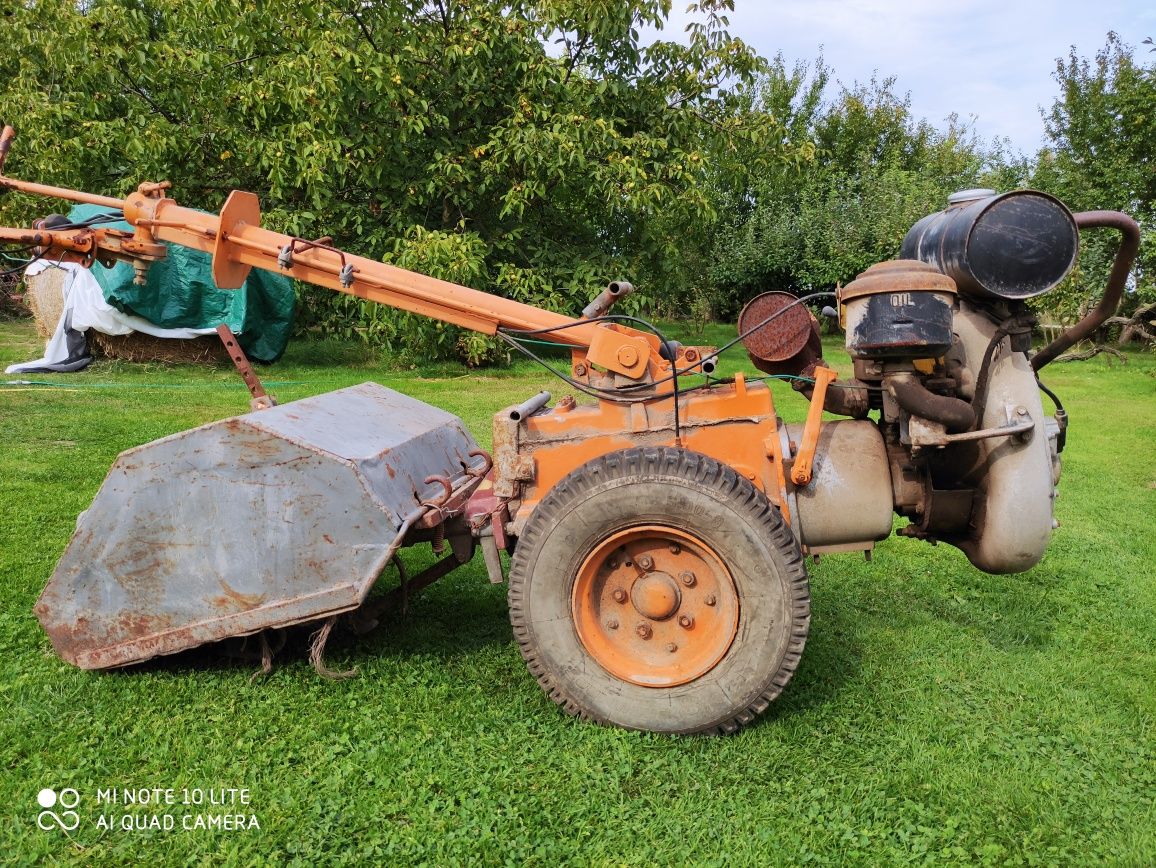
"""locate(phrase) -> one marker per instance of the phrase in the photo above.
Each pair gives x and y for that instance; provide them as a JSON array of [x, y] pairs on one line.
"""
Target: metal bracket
[[261, 400], [620, 353], [804, 460], [489, 547], [926, 434], [241, 209]]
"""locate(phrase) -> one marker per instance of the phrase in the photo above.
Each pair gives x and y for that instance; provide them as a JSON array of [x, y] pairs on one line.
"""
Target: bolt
[[627, 356], [619, 595], [613, 563], [675, 548], [1021, 411], [710, 600], [644, 630], [612, 623], [579, 370], [645, 562], [687, 578], [685, 621], [671, 647]]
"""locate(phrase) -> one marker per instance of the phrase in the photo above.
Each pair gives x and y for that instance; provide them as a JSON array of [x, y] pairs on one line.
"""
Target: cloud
[[988, 59]]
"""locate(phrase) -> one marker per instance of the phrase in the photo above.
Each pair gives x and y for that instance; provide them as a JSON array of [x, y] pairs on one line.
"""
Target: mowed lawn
[[939, 714]]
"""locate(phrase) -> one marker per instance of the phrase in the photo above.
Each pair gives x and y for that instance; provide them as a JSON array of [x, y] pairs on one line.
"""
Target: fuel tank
[[1012, 246]]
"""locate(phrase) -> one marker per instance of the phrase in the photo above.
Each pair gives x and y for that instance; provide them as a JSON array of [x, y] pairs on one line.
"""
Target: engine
[[944, 395]]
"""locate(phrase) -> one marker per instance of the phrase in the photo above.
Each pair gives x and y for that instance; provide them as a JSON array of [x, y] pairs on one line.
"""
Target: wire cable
[[513, 336], [511, 333], [1055, 398], [22, 267], [624, 318]]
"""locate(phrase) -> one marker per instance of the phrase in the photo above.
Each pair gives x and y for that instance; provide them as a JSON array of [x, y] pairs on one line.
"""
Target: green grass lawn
[[939, 714]]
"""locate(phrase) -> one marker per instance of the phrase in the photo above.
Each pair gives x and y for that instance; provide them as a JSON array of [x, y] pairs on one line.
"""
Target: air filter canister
[[1014, 246], [900, 309]]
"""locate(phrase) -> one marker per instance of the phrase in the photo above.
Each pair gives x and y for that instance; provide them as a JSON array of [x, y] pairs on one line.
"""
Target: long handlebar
[[238, 243]]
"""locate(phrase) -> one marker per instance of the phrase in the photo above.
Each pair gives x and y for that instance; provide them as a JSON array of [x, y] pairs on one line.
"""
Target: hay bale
[[139, 347], [44, 294], [45, 297]]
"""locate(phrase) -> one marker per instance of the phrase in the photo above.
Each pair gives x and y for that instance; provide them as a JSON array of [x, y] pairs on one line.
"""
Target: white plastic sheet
[[84, 309]]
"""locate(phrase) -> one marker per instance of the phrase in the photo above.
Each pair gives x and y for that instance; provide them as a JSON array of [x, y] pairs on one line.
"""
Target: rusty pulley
[[780, 334]]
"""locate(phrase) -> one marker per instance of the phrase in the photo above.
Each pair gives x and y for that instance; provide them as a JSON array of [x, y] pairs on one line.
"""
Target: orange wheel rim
[[655, 606]]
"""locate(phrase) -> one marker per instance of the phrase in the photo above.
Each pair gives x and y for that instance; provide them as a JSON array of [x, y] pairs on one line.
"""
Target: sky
[[990, 61]]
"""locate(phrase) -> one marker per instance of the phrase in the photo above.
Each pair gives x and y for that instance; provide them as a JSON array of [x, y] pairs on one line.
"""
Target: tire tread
[[665, 461]]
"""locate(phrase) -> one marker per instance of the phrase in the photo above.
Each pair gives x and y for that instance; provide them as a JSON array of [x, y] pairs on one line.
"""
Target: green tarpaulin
[[180, 293]]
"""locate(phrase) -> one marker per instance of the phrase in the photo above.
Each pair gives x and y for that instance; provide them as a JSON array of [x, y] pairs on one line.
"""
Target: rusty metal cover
[[786, 334], [263, 520], [898, 275]]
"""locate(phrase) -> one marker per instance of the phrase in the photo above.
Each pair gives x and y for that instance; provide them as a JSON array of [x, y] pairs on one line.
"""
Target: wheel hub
[[655, 605], [655, 596]]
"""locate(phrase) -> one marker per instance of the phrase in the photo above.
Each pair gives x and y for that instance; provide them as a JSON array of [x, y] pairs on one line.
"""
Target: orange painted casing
[[734, 423]]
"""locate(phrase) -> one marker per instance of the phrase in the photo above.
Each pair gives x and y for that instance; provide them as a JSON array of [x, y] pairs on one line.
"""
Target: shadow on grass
[[831, 658], [1004, 612], [446, 622], [464, 614]]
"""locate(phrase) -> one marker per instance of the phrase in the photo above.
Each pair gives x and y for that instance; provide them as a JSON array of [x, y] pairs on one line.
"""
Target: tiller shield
[[263, 520]]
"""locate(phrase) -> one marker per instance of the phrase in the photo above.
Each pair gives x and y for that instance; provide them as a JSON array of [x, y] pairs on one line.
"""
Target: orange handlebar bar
[[237, 244]]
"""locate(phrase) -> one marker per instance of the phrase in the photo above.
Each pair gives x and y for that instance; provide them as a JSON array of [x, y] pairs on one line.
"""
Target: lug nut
[[687, 578], [612, 623], [644, 631], [710, 600], [645, 562], [671, 647], [619, 595], [685, 621]]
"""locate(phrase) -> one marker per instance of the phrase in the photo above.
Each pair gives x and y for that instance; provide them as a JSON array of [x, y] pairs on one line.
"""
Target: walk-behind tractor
[[657, 533]]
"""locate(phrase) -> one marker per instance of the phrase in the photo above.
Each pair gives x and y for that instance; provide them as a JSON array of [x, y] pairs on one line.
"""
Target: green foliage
[[536, 148], [1102, 138], [875, 170]]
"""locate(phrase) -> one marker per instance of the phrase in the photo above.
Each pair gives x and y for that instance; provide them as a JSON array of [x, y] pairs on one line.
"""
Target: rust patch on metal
[[249, 601], [783, 336], [787, 341]]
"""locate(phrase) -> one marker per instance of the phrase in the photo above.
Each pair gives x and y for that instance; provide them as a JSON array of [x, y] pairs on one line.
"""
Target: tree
[[876, 169], [1102, 155], [534, 149]]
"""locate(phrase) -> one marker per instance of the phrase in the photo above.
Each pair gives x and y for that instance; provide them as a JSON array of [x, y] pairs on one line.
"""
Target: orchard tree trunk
[[1140, 326]]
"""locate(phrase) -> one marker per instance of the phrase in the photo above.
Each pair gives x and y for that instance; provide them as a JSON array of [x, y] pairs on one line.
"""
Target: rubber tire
[[692, 492]]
